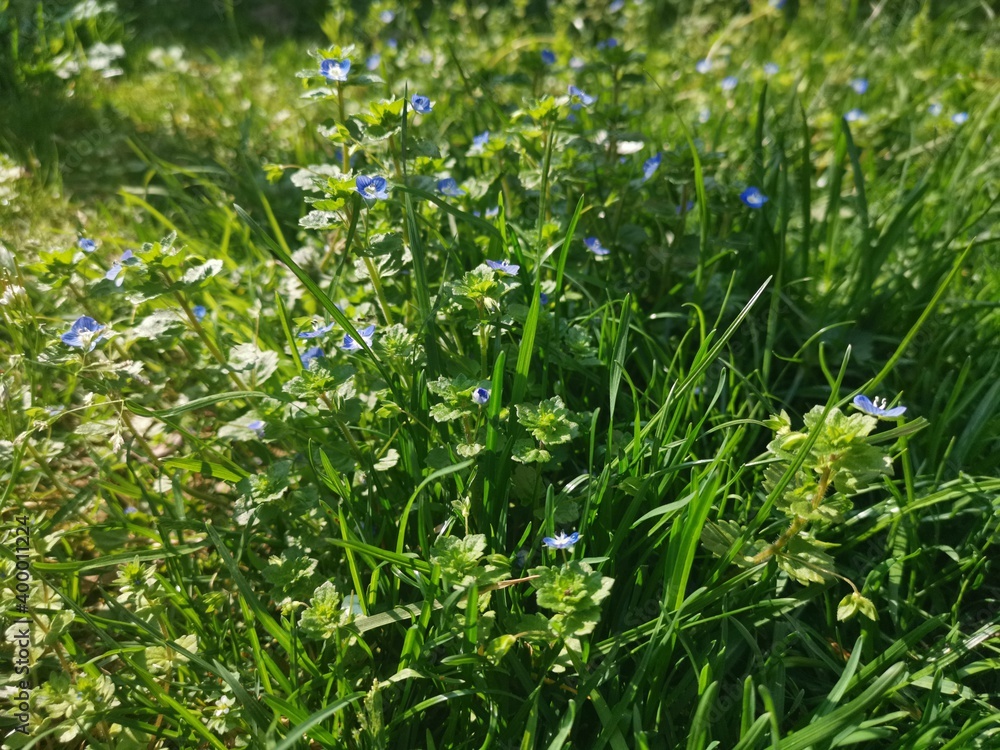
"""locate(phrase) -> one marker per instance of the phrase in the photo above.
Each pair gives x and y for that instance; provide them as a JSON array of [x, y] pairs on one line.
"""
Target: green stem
[[798, 524], [203, 335], [345, 155], [383, 303]]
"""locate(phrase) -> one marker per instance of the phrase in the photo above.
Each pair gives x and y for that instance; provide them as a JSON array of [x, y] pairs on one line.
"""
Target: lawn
[[500, 375]]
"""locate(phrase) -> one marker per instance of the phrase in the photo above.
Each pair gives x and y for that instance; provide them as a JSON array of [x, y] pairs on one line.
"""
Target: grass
[[231, 547]]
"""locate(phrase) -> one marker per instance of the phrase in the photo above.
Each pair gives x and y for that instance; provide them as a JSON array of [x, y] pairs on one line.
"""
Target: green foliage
[[574, 592], [329, 478]]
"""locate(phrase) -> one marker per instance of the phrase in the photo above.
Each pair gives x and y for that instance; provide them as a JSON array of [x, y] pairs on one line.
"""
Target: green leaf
[[549, 421], [247, 358]]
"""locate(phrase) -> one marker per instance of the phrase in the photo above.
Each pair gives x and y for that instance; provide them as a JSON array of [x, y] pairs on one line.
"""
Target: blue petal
[[865, 404]]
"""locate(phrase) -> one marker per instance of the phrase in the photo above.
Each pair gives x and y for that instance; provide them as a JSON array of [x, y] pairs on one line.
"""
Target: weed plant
[[518, 375]]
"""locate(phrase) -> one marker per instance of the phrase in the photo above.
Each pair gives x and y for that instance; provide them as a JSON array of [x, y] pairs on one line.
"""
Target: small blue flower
[[316, 332], [84, 334], [131, 510], [199, 312], [616, 6], [610, 43], [561, 540], [543, 299], [373, 61], [449, 187], [960, 118], [703, 66], [492, 212], [577, 62], [479, 141], [257, 426], [935, 109], [371, 188], [386, 16], [350, 345], [116, 268], [504, 266], [753, 197], [391, 41], [548, 57], [704, 115], [877, 407], [421, 104], [729, 83], [594, 245], [87, 245], [650, 166], [114, 272], [335, 70], [771, 69], [481, 395], [313, 352], [578, 97], [856, 115], [860, 85]]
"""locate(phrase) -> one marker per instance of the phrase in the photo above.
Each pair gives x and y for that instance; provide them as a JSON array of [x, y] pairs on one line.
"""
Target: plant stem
[[798, 524]]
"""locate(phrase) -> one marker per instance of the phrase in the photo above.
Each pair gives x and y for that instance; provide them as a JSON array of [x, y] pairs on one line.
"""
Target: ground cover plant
[[508, 375]]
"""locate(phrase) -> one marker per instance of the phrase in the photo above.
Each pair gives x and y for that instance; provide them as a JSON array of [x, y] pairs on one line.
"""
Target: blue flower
[[650, 166], [561, 540], [492, 212], [449, 187], [960, 118], [860, 85], [316, 332], [373, 60], [704, 115], [703, 66], [877, 407], [616, 6], [199, 312], [856, 115], [935, 109], [729, 83], [313, 352], [504, 266], [88, 246], [335, 70], [84, 334], [548, 57], [131, 510], [386, 16], [391, 41], [594, 245], [771, 68], [753, 197], [479, 142], [350, 345], [117, 267], [371, 188], [421, 104], [257, 426], [481, 395], [577, 97], [610, 43], [543, 299]]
